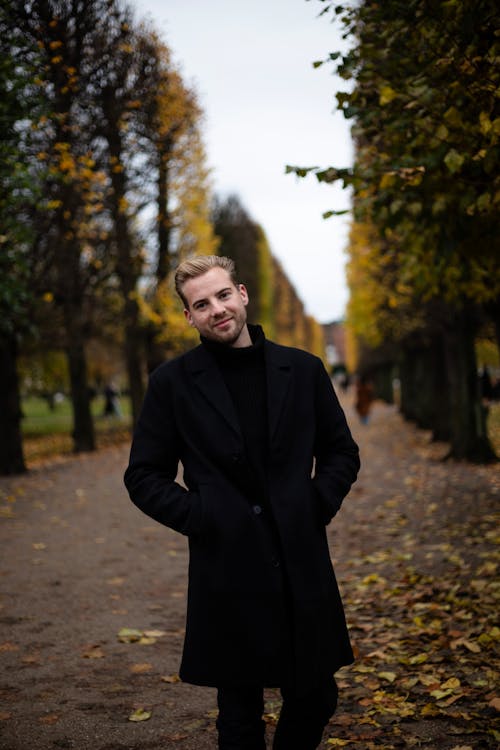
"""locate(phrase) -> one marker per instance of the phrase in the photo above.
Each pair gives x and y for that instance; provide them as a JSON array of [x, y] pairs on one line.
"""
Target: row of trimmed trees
[[103, 137], [274, 302], [424, 267], [103, 190]]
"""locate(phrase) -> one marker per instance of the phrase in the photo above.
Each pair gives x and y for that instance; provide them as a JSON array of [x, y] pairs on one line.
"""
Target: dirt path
[[414, 549]]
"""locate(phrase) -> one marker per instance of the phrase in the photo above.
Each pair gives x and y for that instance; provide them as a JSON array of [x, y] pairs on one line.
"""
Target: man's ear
[[188, 317], [243, 292]]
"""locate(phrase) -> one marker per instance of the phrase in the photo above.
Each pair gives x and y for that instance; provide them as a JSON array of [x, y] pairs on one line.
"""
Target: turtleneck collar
[[238, 353]]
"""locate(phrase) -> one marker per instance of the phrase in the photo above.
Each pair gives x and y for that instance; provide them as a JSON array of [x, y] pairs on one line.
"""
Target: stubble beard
[[230, 337]]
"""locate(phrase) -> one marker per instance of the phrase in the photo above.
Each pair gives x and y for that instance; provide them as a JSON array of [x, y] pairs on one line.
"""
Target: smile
[[222, 322]]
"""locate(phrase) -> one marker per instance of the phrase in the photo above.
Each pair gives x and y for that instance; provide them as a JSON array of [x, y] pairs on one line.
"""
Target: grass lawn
[[47, 432], [39, 419]]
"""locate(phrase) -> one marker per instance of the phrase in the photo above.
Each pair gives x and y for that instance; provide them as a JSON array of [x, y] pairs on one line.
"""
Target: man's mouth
[[222, 322]]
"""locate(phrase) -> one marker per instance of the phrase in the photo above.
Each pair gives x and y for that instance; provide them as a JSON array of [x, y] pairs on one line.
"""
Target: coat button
[[257, 509], [275, 561], [236, 458]]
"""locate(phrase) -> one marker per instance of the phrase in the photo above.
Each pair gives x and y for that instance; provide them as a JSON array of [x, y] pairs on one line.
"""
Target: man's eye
[[199, 306], [225, 295]]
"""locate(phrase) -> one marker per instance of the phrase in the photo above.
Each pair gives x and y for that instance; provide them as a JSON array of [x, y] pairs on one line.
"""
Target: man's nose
[[218, 307]]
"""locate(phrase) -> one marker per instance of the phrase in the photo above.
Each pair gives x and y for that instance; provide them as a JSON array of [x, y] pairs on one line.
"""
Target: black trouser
[[300, 726]]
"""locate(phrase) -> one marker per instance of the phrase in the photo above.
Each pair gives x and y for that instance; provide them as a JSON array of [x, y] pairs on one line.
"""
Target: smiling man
[[249, 420]]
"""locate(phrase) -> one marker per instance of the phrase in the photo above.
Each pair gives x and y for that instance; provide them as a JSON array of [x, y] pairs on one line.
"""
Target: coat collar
[[206, 375]]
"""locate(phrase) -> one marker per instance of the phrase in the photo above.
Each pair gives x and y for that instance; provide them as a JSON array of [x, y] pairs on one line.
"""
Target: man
[[248, 419]]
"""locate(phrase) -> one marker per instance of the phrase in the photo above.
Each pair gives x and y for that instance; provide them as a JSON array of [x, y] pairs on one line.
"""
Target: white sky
[[250, 62]]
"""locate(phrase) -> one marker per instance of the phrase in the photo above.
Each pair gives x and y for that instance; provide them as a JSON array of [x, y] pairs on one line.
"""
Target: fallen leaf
[[48, 719], [472, 647], [93, 652], [452, 683], [129, 635], [418, 659], [30, 659], [495, 703], [194, 725], [141, 668], [389, 676], [7, 646], [171, 678], [140, 715]]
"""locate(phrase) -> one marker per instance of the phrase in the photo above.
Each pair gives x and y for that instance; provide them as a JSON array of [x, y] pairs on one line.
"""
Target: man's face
[[216, 307]]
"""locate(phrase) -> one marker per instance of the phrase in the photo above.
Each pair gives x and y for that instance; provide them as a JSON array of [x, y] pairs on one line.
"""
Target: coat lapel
[[208, 379], [279, 377]]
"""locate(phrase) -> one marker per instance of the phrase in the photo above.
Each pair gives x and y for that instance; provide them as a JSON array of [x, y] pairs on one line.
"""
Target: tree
[[66, 219], [19, 99], [426, 175]]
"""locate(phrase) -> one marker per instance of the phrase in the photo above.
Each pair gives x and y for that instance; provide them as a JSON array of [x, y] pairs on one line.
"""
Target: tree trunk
[[128, 269], [155, 351], [383, 377], [83, 425], [440, 392], [408, 385], [493, 310], [11, 446], [164, 219], [134, 342], [468, 438]]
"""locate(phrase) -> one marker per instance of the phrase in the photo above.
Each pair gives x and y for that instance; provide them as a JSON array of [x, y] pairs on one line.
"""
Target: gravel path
[[79, 563]]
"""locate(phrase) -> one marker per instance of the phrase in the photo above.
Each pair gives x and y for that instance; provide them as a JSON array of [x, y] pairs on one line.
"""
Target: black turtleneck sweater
[[244, 372]]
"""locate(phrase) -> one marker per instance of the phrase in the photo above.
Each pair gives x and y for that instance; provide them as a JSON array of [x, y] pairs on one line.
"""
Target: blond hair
[[199, 265]]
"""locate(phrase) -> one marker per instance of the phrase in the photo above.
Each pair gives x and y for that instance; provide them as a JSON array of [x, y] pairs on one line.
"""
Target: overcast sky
[[265, 106]]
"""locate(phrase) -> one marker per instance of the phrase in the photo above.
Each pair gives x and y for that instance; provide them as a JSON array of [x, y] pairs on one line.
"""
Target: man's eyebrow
[[197, 301]]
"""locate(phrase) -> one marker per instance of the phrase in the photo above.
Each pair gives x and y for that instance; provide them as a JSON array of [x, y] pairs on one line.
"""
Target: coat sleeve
[[336, 453], [153, 465]]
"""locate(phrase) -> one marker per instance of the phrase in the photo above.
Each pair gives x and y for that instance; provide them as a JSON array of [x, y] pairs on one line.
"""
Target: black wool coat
[[263, 603]]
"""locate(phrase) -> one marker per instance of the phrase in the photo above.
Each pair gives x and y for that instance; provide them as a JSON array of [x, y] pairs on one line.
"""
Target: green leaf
[[454, 161]]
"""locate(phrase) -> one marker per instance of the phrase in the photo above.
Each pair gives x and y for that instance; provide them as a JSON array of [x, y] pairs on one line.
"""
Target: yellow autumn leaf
[[389, 676], [129, 635], [439, 694], [418, 659], [429, 679], [452, 683], [140, 715], [471, 646], [171, 678], [337, 742]]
